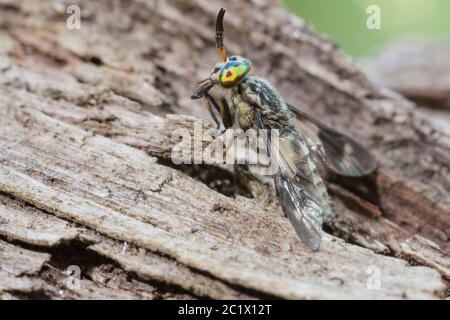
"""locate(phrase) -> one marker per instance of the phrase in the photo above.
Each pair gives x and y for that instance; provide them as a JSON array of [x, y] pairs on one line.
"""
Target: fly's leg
[[213, 109], [225, 112], [219, 108], [223, 109], [262, 188], [246, 182]]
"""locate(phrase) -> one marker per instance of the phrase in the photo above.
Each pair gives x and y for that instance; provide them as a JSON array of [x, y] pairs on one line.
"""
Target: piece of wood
[[232, 240], [86, 139], [424, 77]]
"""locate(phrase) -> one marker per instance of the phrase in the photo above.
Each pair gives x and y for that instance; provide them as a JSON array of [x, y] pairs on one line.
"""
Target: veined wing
[[340, 153], [300, 189]]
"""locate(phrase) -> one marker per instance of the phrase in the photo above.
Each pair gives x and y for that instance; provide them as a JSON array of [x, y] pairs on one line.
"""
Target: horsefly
[[302, 140]]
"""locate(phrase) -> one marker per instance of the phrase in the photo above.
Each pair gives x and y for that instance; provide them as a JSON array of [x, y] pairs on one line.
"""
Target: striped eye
[[232, 58], [215, 70], [232, 73]]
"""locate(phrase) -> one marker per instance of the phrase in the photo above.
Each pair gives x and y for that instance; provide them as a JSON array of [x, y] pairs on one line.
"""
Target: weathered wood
[[121, 193], [413, 249], [423, 77], [42, 278], [377, 234], [17, 265], [77, 105]]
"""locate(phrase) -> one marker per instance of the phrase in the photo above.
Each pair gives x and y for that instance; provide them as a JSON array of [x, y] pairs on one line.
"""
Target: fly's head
[[225, 74], [233, 71]]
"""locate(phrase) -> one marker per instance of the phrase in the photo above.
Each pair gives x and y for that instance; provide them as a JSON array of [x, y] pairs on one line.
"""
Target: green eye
[[232, 73]]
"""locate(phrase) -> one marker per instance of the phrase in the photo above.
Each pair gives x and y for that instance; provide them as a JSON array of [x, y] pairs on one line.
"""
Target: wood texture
[[86, 124]]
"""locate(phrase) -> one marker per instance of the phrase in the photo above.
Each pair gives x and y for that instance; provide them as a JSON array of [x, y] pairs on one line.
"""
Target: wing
[[300, 189], [339, 152]]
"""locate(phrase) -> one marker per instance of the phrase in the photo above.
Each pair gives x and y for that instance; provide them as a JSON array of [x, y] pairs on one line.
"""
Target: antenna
[[219, 34]]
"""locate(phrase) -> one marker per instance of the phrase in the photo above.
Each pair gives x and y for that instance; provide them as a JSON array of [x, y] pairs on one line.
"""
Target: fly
[[302, 140]]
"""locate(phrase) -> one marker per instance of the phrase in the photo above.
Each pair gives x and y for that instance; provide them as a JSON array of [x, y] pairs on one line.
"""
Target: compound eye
[[232, 73], [233, 58], [215, 70]]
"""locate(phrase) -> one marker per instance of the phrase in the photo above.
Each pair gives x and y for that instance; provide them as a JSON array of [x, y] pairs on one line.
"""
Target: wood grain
[[86, 124]]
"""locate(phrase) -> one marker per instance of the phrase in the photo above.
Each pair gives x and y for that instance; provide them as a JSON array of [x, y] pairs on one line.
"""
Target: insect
[[302, 140]]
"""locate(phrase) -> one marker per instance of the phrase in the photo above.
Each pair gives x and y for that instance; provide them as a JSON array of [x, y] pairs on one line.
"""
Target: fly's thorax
[[267, 99], [244, 112]]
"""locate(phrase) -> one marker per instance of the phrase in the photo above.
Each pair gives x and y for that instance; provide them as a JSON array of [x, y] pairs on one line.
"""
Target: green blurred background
[[344, 21]]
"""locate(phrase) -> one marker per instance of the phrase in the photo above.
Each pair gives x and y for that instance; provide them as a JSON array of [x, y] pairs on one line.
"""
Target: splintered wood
[[86, 120]]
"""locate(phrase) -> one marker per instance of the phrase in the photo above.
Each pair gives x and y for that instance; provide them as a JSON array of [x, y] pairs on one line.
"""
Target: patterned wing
[[300, 189], [339, 152]]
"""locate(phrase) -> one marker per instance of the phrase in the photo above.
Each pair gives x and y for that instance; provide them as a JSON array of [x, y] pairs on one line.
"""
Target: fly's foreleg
[[213, 109], [220, 108], [226, 113]]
